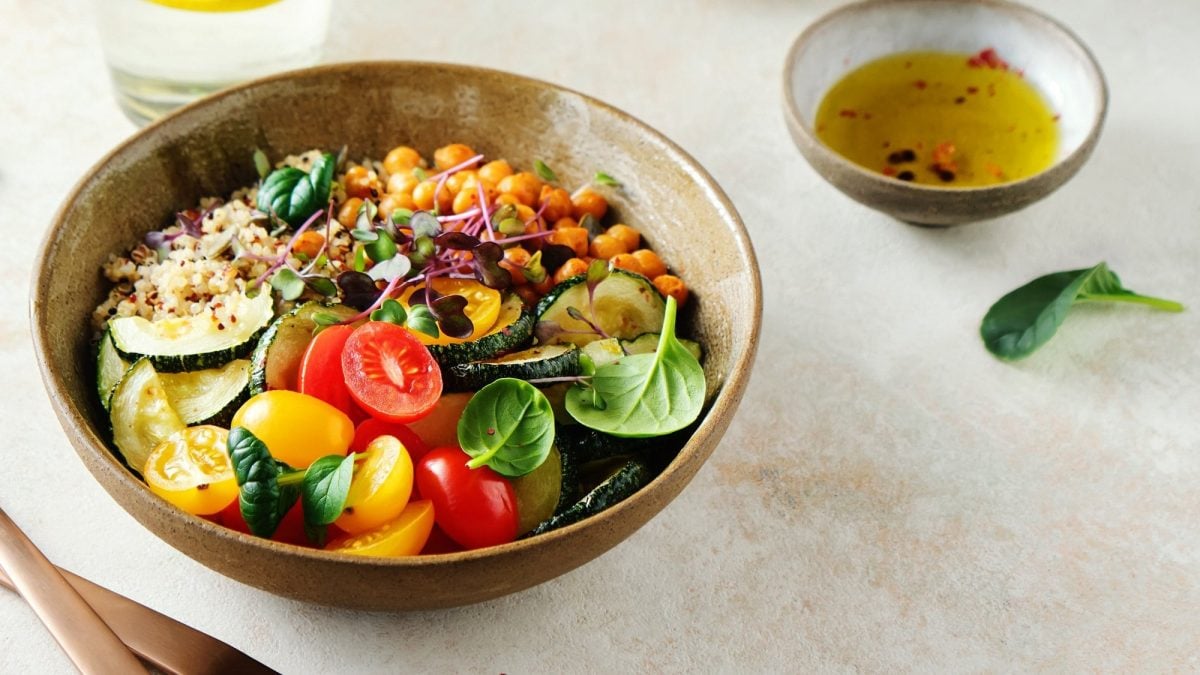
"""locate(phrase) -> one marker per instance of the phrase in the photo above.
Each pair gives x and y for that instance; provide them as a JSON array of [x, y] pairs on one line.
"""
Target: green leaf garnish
[[544, 172], [289, 284], [508, 426], [401, 216], [325, 319], [643, 395], [293, 195], [391, 312], [422, 320], [263, 501], [1025, 319], [325, 488], [383, 248], [602, 178]]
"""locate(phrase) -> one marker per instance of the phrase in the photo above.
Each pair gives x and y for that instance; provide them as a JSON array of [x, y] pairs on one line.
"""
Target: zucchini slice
[[539, 492], [109, 369], [275, 363], [512, 330], [603, 352], [531, 364], [209, 396], [624, 305], [194, 342], [584, 445], [142, 416], [647, 343], [623, 482]]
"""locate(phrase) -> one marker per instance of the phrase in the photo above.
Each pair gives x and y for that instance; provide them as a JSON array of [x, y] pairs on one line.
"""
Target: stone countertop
[[890, 497]]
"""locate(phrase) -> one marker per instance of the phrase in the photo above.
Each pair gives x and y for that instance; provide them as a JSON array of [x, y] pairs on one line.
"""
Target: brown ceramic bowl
[[206, 149], [1053, 60]]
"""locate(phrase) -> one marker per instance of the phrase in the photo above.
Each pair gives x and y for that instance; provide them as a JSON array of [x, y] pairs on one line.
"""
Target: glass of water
[[165, 53]]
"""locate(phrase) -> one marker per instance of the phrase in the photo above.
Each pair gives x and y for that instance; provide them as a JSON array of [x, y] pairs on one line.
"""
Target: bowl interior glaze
[[206, 149]]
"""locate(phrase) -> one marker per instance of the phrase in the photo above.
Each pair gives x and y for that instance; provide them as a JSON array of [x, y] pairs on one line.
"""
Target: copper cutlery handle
[[86, 639]]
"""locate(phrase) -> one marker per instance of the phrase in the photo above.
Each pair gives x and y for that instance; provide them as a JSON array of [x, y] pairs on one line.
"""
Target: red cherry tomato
[[290, 530], [439, 542], [321, 371], [390, 373], [475, 507], [370, 429]]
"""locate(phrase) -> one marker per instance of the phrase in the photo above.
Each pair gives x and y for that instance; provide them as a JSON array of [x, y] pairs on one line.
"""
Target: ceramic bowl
[[1053, 60], [206, 149]]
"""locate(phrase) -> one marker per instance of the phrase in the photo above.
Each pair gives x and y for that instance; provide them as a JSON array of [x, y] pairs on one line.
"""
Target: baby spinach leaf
[[262, 499], [1025, 319], [325, 488], [509, 426], [643, 395], [292, 195]]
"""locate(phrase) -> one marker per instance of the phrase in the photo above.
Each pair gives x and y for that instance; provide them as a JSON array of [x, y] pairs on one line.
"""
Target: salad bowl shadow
[[207, 149]]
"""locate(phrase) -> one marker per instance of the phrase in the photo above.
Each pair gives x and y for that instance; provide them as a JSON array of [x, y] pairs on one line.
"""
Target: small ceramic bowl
[[1053, 60], [206, 149]]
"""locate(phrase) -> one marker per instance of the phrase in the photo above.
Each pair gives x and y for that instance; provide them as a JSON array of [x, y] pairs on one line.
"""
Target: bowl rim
[[791, 108], [74, 421]]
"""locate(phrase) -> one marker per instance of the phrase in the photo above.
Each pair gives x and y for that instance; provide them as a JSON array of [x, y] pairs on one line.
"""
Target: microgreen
[[1025, 319], [382, 248], [391, 312], [289, 284], [261, 164], [544, 172], [643, 395], [358, 290], [602, 178], [508, 426]]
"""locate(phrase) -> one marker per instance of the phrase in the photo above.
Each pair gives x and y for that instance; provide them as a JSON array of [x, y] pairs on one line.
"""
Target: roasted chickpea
[[495, 171], [424, 193], [402, 183], [554, 202], [506, 199], [588, 200], [565, 222], [361, 182], [402, 158], [455, 182], [652, 265], [515, 259], [396, 200], [626, 261], [309, 244], [627, 236], [673, 286], [574, 237], [347, 215], [605, 246], [465, 201], [572, 268], [449, 156], [524, 186]]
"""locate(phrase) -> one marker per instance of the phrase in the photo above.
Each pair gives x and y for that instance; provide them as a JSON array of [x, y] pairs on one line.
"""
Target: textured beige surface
[[889, 498]]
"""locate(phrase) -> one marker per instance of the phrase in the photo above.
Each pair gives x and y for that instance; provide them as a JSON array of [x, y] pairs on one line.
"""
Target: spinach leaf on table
[[1025, 319]]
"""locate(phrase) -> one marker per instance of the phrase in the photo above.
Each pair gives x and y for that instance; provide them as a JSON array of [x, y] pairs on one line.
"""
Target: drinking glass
[[165, 53]]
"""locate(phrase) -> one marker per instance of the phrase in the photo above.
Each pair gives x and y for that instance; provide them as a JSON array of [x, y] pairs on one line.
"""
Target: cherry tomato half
[[405, 535], [191, 469], [380, 487], [321, 371], [483, 307], [389, 373], [475, 507]]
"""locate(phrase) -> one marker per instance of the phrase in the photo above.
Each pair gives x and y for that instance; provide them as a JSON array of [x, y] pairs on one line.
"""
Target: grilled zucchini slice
[[110, 367], [624, 305], [647, 343], [622, 483], [512, 330], [209, 396], [142, 416], [194, 342], [275, 363], [530, 364]]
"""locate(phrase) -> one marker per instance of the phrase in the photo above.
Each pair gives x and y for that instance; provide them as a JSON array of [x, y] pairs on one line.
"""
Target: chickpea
[[347, 215], [606, 246], [455, 182], [588, 200], [452, 155], [506, 199], [565, 222], [572, 268], [396, 200], [309, 244], [423, 196], [524, 186], [652, 265], [401, 159], [402, 183], [525, 213], [557, 203], [673, 286], [515, 259], [495, 171], [626, 261], [627, 236], [361, 182], [465, 200], [574, 237]]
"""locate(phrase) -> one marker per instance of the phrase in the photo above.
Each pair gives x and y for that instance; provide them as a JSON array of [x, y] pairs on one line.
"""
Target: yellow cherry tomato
[[297, 428], [380, 488], [406, 535], [191, 469], [483, 306]]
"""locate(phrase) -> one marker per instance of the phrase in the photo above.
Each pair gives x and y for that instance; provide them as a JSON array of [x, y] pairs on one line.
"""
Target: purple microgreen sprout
[[358, 290], [597, 272], [546, 331], [487, 266], [160, 240], [554, 255], [424, 224], [574, 313], [456, 241], [451, 316]]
